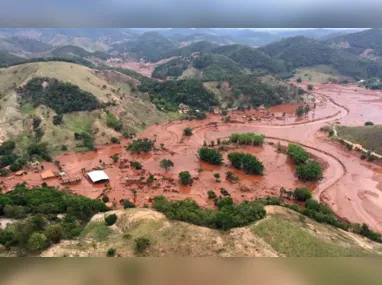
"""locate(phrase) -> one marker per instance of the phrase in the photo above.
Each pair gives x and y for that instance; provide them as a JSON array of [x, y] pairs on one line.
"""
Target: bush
[[140, 145], [115, 157], [111, 219], [105, 199], [310, 87], [166, 164], [136, 165], [187, 132], [310, 171], [114, 140], [217, 176], [4, 172], [54, 233], [247, 138], [211, 156], [211, 195], [299, 80], [57, 119], [64, 148], [127, 204], [111, 252], [141, 244], [185, 178], [302, 194], [247, 162], [368, 123], [37, 241], [297, 153], [113, 122]]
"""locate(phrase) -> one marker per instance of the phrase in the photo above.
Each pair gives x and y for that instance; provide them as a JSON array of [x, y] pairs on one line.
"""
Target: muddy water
[[350, 187]]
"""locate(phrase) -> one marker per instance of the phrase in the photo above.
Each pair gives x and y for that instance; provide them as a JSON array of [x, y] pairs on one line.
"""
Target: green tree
[[306, 109], [297, 153], [211, 156], [127, 204], [310, 86], [368, 123], [299, 111], [115, 157], [217, 177], [247, 162], [54, 233], [185, 178], [37, 241], [166, 164], [111, 252], [302, 194], [310, 171], [187, 132], [111, 219], [211, 195]]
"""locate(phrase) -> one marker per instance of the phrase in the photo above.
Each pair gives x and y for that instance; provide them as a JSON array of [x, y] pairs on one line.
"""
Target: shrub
[[297, 153], [141, 244], [4, 172], [166, 164], [57, 119], [185, 178], [187, 132], [310, 87], [111, 252], [211, 156], [299, 80], [217, 176], [140, 145], [115, 157], [127, 204], [111, 219], [105, 199], [113, 122], [302, 194], [310, 171], [368, 123], [136, 165], [247, 138], [37, 241], [211, 195], [247, 162], [54, 233], [64, 148], [114, 140], [363, 155], [300, 111]]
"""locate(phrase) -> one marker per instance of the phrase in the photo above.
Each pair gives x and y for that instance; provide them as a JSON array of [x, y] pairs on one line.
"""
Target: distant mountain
[[365, 43], [7, 59], [202, 46], [302, 52], [70, 50], [151, 46]]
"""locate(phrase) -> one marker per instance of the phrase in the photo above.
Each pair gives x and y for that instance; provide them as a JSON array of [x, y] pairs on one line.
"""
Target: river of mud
[[351, 187]]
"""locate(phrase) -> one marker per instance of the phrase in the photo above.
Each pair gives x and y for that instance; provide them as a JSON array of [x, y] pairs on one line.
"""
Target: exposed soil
[[352, 188]]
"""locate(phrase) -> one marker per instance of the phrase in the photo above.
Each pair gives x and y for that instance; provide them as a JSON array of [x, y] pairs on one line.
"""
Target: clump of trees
[[111, 219], [310, 171], [193, 114], [302, 194], [210, 155], [62, 97], [301, 110], [136, 165], [113, 122], [227, 216], [297, 153], [368, 123], [140, 145], [166, 164], [187, 132], [39, 208], [87, 139], [247, 162], [185, 178], [247, 138], [9, 158]]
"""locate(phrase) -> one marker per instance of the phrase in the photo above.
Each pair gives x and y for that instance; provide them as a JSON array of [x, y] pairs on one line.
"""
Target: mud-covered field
[[351, 187]]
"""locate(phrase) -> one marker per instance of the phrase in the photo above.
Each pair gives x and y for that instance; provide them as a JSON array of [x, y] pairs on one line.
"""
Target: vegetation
[[185, 178], [210, 155], [368, 123], [247, 162], [60, 96], [187, 132], [310, 171], [166, 164], [217, 177], [127, 204], [9, 158], [310, 86], [226, 217], [41, 207], [302, 194], [297, 153], [247, 138], [141, 244], [140, 145], [111, 219], [172, 68], [211, 195], [111, 252], [136, 165], [113, 122]]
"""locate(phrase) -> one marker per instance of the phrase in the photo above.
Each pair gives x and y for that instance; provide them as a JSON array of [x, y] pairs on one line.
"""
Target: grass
[[369, 137], [97, 230], [293, 241], [27, 109], [174, 115], [80, 122], [320, 73]]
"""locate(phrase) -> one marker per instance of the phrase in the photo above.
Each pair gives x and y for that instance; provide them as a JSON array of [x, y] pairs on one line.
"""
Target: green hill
[[70, 51]]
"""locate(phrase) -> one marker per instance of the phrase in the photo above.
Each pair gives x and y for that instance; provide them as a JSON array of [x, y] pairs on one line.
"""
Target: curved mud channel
[[351, 187]]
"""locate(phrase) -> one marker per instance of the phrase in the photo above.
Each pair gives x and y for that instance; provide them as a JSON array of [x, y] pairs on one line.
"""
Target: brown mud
[[352, 188]]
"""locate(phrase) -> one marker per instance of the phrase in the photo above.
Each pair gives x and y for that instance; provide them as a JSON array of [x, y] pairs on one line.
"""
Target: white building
[[98, 176]]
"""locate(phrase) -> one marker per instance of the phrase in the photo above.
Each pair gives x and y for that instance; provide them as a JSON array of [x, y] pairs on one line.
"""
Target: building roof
[[98, 175], [47, 174]]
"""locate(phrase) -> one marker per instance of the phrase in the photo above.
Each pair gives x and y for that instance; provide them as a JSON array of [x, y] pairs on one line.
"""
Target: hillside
[[304, 52], [70, 51], [368, 136], [282, 233], [16, 116], [7, 59], [366, 43]]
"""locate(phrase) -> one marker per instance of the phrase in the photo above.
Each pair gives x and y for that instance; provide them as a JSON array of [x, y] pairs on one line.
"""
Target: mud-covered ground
[[351, 187]]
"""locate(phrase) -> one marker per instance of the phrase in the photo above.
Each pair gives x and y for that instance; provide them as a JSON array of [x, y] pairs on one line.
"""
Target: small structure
[[68, 180], [20, 173], [47, 174], [97, 176], [183, 108], [132, 180]]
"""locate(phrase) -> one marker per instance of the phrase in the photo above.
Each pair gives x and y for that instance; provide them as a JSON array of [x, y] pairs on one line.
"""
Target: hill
[[150, 46], [367, 136], [282, 233], [70, 51], [7, 59], [366, 43], [304, 52], [108, 87]]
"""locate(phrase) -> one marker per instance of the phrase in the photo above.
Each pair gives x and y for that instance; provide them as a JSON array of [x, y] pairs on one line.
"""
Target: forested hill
[[303, 52], [71, 50], [201, 46], [7, 59], [358, 43]]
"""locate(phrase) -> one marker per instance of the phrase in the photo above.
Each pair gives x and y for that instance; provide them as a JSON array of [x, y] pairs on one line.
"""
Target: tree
[[136, 165], [368, 123], [310, 171], [310, 87], [299, 111], [306, 109], [140, 145], [54, 233], [185, 178], [134, 191], [247, 162], [127, 204], [211, 195], [166, 164], [64, 148], [111, 252], [211, 156], [299, 80], [217, 176], [187, 132], [111, 219], [114, 140], [105, 199], [115, 158], [302, 194], [297, 153], [37, 241], [57, 119], [141, 244]]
